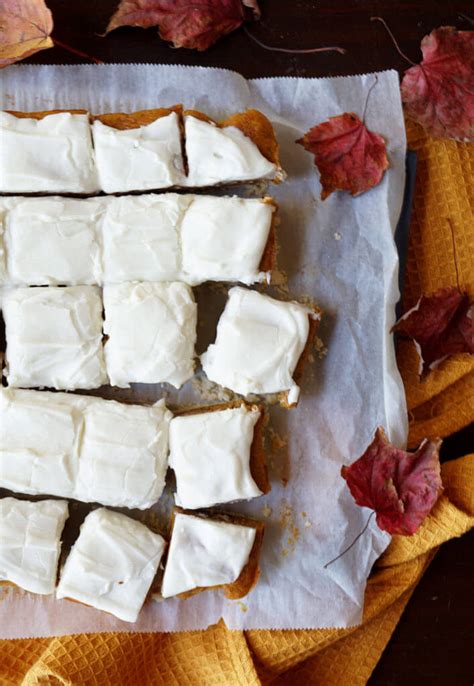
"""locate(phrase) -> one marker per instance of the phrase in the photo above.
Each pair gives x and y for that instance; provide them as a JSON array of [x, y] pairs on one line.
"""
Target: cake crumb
[[266, 511], [243, 606], [321, 349], [286, 515], [278, 452], [277, 442], [307, 524], [287, 523], [279, 281], [337, 236], [212, 392], [308, 300]]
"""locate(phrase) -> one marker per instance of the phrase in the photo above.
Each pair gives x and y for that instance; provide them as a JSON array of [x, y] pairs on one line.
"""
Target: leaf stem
[[394, 41], [346, 550], [291, 51], [76, 52], [368, 96], [466, 18]]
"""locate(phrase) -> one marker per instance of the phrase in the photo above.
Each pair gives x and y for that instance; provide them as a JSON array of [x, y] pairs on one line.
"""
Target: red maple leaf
[[185, 23], [400, 487], [438, 93], [349, 156], [440, 325]]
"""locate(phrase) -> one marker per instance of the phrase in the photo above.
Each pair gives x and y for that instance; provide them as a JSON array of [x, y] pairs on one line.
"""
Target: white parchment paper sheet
[[341, 254]]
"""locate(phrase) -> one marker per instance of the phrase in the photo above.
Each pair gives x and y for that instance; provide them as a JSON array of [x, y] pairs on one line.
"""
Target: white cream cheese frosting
[[151, 329], [144, 158], [54, 241], [123, 454], [222, 155], [258, 344], [112, 564], [205, 553], [30, 542], [210, 456], [141, 238], [223, 239], [50, 155], [54, 337], [39, 435], [168, 237], [82, 447]]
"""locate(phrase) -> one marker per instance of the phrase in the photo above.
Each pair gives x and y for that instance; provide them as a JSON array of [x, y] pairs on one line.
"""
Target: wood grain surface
[[434, 642]]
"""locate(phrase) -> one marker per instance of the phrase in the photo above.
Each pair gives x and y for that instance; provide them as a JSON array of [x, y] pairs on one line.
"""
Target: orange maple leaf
[[25, 28]]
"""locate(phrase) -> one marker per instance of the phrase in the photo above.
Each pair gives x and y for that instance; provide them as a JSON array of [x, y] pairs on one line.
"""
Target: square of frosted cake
[[123, 455], [112, 564], [141, 237], [54, 241], [54, 337], [151, 329], [225, 239], [138, 152], [212, 457], [207, 553], [258, 344], [222, 154], [30, 542], [49, 154]]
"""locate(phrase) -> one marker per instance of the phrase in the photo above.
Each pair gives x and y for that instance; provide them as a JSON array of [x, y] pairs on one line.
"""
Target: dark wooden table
[[434, 642]]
